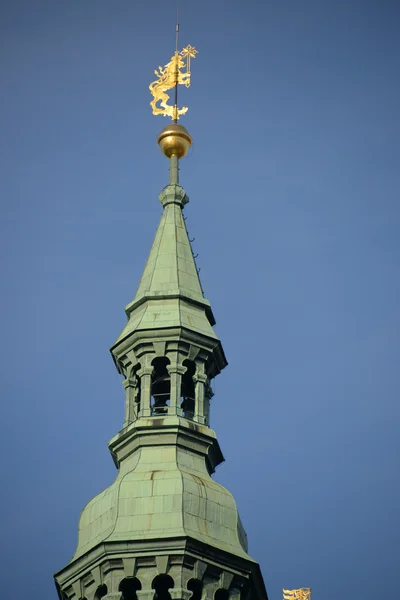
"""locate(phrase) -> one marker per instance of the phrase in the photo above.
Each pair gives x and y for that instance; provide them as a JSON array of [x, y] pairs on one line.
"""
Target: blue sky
[[294, 188]]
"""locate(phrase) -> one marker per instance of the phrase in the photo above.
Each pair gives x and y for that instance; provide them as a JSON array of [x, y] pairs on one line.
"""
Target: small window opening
[[160, 387], [129, 586], [221, 594], [100, 592], [196, 587], [188, 401], [162, 584]]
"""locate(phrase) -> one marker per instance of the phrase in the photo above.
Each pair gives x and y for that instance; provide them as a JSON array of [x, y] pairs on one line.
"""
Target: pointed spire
[[171, 270], [170, 293]]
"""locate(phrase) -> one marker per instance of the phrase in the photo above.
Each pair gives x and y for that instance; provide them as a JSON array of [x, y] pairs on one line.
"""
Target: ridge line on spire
[[154, 269], [194, 258]]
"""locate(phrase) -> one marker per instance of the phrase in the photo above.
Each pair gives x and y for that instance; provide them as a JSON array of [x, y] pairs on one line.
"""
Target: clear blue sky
[[294, 188]]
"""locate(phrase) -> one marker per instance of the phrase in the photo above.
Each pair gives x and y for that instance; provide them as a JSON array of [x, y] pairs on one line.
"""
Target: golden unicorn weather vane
[[174, 73], [300, 594]]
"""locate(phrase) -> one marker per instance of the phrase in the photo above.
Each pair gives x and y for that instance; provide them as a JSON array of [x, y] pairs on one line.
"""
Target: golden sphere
[[174, 140]]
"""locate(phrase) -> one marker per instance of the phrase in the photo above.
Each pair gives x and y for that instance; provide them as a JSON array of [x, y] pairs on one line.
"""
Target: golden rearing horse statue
[[169, 76]]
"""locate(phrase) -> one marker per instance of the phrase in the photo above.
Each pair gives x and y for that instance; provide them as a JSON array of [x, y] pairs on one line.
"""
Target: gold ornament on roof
[[176, 72], [300, 594]]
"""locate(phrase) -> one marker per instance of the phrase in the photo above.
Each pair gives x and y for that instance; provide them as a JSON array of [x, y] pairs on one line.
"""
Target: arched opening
[[188, 401], [196, 587], [129, 586], [160, 387], [100, 592], [221, 594], [162, 584]]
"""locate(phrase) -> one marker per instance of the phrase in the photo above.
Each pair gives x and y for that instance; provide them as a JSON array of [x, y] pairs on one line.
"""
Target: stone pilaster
[[180, 594], [175, 371], [131, 385], [145, 594], [200, 379], [145, 390]]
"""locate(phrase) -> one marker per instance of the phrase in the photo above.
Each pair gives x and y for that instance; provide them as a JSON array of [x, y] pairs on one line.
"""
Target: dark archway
[[162, 584], [188, 402], [129, 586], [221, 594], [160, 387], [196, 587], [100, 592]]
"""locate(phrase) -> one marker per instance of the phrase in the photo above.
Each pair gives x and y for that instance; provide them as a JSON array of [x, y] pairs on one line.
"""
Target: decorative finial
[[174, 140]]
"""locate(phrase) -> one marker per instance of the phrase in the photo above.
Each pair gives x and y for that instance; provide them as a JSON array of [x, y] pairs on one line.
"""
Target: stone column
[[200, 379], [145, 390], [180, 594], [234, 594], [175, 371], [145, 594], [131, 385], [210, 587]]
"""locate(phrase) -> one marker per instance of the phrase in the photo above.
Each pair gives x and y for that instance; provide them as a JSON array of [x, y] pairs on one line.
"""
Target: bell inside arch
[[188, 401], [161, 394], [160, 387]]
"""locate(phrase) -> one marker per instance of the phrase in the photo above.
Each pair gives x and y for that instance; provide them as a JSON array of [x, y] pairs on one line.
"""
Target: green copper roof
[[170, 292], [170, 267], [171, 270], [163, 491]]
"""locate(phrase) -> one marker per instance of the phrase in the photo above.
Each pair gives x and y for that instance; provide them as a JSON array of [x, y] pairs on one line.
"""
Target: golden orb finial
[[174, 140]]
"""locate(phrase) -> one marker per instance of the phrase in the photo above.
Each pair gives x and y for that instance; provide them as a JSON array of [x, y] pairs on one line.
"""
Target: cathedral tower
[[165, 530]]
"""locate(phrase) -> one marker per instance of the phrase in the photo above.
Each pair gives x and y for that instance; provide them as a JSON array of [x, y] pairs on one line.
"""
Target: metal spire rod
[[175, 120], [176, 31], [174, 160]]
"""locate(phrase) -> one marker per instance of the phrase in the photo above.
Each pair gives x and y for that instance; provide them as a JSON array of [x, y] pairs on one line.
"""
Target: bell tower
[[168, 351], [165, 530]]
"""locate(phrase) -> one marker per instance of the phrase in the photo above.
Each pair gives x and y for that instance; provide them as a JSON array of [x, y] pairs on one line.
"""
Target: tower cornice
[[167, 431], [138, 342], [173, 294]]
